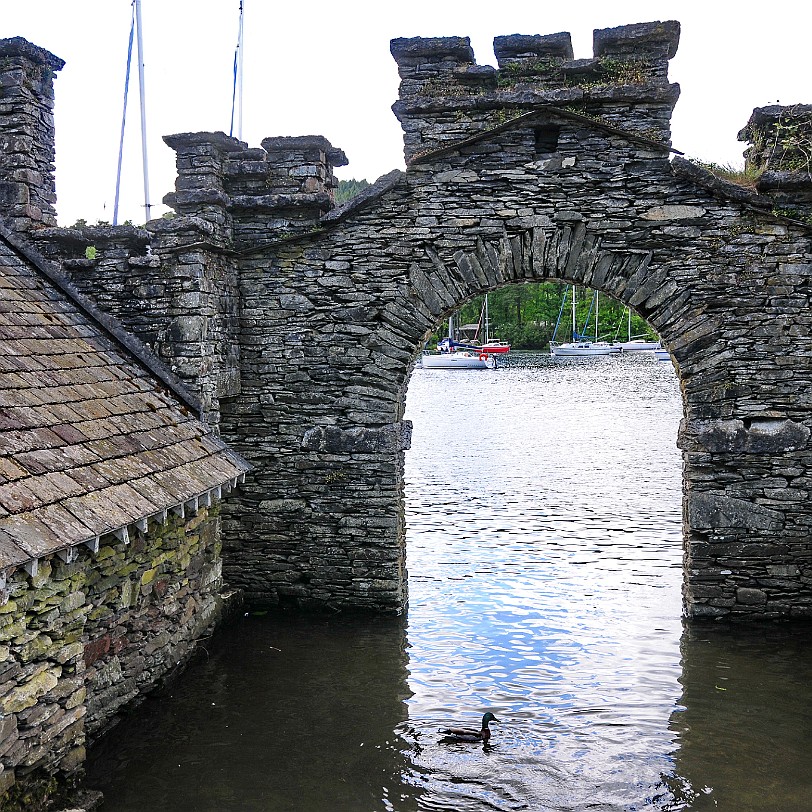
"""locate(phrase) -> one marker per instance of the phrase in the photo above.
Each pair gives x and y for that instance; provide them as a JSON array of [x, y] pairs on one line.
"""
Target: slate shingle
[[90, 441]]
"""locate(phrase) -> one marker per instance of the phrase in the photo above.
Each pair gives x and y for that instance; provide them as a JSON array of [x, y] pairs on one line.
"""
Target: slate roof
[[91, 441]]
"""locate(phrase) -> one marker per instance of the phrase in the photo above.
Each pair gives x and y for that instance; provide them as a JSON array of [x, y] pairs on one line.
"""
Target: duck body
[[470, 734]]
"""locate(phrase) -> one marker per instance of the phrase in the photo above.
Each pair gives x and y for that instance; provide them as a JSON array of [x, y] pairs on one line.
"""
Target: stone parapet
[[445, 97], [780, 156], [172, 285], [199, 188]]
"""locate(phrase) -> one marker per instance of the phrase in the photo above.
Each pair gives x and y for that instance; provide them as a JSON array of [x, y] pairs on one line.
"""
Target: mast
[[597, 308], [124, 118], [138, 28], [574, 331], [629, 311], [240, 50], [487, 325]]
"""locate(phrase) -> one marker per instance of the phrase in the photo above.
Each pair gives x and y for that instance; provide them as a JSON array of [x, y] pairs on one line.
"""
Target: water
[[544, 551]]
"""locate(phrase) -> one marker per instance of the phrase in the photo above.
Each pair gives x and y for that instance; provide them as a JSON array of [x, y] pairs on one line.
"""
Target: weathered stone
[[667, 212], [716, 511], [26, 695], [751, 597]]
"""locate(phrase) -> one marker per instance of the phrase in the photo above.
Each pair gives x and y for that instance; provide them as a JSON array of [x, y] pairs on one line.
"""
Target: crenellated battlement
[[780, 155], [285, 186], [445, 96]]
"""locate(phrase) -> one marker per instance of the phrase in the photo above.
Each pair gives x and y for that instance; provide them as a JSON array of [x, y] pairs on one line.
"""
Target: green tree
[[348, 189]]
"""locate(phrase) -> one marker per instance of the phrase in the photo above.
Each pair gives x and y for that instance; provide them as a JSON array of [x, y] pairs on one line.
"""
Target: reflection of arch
[[730, 688]]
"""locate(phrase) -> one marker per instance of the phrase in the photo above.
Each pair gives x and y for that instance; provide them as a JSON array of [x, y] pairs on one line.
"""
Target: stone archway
[[504, 185], [307, 318]]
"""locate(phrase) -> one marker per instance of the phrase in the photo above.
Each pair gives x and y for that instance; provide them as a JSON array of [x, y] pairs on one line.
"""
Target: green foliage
[[605, 72], [525, 316], [741, 175], [793, 214], [348, 189], [90, 252]]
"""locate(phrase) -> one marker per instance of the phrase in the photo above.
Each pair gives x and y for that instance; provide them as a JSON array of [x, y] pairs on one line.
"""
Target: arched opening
[[544, 551]]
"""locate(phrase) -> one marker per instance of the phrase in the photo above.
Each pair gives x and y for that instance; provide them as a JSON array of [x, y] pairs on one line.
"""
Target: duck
[[470, 734]]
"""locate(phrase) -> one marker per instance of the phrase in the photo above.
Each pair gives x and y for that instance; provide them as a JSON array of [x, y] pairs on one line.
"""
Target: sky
[[324, 68]]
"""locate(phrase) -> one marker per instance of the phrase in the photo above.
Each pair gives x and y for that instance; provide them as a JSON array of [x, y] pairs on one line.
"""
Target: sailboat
[[638, 342], [580, 346], [454, 355], [489, 345]]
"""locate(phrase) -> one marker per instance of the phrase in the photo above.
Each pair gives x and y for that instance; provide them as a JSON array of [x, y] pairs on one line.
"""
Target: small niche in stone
[[547, 138]]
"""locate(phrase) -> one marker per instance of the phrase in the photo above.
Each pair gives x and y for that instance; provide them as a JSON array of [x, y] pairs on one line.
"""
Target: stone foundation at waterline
[[82, 641]]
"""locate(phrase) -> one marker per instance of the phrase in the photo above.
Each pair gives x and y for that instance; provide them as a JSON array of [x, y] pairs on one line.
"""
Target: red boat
[[495, 347]]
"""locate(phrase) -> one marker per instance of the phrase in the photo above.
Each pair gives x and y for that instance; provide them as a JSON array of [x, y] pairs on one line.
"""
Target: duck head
[[488, 717]]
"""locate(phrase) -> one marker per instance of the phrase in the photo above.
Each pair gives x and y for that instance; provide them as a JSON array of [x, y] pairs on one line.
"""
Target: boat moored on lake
[[457, 360]]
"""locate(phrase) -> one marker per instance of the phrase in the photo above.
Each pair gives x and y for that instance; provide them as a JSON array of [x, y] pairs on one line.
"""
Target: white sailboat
[[581, 346], [638, 342], [456, 356], [457, 360]]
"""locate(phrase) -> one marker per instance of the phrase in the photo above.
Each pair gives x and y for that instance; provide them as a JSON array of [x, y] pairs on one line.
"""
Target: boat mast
[[574, 331], [239, 70], [124, 118], [629, 311], [597, 308], [138, 29], [487, 327]]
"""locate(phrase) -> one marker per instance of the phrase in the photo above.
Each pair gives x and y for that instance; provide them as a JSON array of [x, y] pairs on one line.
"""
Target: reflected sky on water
[[544, 553]]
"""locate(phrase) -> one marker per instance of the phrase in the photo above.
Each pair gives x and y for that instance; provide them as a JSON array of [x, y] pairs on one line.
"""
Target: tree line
[[525, 316]]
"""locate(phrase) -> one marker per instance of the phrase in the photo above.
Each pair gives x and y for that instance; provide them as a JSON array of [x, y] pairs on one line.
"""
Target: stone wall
[[169, 286], [779, 156], [546, 169], [83, 640]]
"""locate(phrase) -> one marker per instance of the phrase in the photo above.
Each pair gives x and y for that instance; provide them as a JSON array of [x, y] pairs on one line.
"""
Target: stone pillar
[[200, 340], [199, 189], [27, 186]]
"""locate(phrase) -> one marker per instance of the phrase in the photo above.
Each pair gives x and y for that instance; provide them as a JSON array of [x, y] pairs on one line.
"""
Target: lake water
[[544, 555]]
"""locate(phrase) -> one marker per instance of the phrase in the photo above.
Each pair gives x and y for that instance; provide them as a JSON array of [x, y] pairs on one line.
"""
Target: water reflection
[[744, 720], [544, 551], [283, 713]]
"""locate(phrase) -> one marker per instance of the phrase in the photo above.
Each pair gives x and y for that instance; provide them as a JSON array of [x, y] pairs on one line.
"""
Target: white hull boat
[[582, 349], [638, 345], [457, 360], [662, 355], [580, 346]]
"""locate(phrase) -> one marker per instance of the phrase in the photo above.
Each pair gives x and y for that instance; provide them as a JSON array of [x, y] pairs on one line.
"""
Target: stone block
[[26, 695], [751, 597]]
